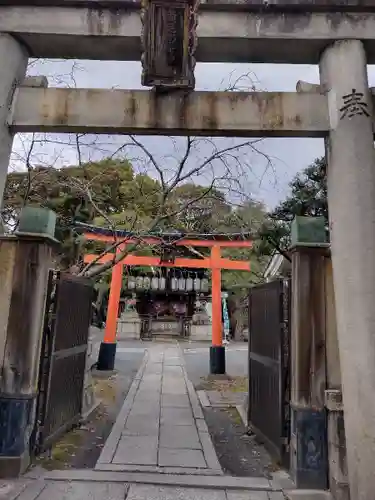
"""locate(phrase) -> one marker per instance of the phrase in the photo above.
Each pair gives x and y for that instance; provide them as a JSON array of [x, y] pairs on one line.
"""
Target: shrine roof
[[81, 227]]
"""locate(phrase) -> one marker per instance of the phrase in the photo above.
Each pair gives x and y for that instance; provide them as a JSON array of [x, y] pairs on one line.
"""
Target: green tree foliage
[[110, 194], [64, 191], [308, 197]]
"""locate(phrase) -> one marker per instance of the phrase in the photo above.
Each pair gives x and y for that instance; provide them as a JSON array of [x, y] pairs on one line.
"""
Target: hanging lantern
[[205, 285], [197, 284], [174, 284], [131, 283], [146, 283], [181, 284], [139, 282], [162, 283], [155, 283], [189, 284]]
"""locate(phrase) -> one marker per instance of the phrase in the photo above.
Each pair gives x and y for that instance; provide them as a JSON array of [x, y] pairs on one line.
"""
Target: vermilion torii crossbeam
[[215, 262]]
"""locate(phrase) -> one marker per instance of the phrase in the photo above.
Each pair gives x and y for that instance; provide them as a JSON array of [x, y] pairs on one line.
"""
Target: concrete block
[[154, 368], [175, 401], [179, 436], [40, 81], [173, 376], [247, 495], [173, 370], [144, 492], [174, 389], [140, 408], [83, 491], [175, 361], [148, 395], [141, 425], [32, 492], [149, 385], [176, 416], [307, 495], [201, 425], [140, 450], [196, 407], [282, 480], [10, 490], [150, 378], [205, 402], [209, 451], [179, 457], [187, 480]]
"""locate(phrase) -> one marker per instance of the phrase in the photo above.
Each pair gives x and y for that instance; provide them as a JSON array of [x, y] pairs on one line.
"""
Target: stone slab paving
[[161, 425], [99, 490], [221, 399]]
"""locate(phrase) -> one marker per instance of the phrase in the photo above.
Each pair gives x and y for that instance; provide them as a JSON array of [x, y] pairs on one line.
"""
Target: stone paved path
[[159, 449], [118, 490], [161, 426]]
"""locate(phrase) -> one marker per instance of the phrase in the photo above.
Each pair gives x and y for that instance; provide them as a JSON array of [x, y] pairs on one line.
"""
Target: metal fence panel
[[269, 388], [63, 360]]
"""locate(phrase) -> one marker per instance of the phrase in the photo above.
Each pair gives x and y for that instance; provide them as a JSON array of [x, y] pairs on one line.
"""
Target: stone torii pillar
[[14, 58], [351, 203]]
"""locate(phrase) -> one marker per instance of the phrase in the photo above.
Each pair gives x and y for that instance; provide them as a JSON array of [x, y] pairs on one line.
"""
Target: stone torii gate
[[339, 35]]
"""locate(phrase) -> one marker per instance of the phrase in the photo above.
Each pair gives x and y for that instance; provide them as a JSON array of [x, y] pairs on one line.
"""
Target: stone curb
[[205, 402], [111, 444], [205, 438], [242, 413], [155, 469], [189, 481]]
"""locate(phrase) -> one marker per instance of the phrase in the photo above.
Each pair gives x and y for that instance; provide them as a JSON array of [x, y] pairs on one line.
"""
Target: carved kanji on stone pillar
[[168, 43]]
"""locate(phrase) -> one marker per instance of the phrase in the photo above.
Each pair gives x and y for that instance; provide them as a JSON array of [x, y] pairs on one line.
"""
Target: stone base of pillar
[[338, 469], [107, 356], [16, 426], [89, 401], [309, 463], [201, 332], [217, 360]]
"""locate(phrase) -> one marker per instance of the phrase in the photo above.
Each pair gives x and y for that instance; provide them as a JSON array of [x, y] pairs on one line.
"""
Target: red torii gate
[[215, 262]]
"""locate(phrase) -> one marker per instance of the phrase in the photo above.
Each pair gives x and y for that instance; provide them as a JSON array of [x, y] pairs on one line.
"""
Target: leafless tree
[[224, 165]]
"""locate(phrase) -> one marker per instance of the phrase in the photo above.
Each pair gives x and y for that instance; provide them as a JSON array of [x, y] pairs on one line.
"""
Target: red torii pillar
[[215, 262]]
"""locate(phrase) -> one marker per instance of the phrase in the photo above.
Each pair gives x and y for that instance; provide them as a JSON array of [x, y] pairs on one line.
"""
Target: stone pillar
[[217, 350], [14, 58], [308, 445], [24, 266], [89, 401], [351, 203], [338, 470]]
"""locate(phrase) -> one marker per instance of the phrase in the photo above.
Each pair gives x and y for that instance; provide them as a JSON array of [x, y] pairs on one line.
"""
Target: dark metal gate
[[63, 357], [269, 360]]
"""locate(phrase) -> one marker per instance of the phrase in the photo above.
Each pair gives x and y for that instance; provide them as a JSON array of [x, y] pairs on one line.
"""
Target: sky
[[267, 184]]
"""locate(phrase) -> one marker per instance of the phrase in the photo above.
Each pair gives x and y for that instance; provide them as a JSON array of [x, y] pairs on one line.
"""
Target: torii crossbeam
[[215, 262]]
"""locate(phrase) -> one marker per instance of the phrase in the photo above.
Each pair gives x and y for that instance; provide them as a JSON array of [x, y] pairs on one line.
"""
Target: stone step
[[180, 480]]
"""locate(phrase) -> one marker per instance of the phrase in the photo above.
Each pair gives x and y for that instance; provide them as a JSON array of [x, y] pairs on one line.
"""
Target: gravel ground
[[80, 448], [238, 453]]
